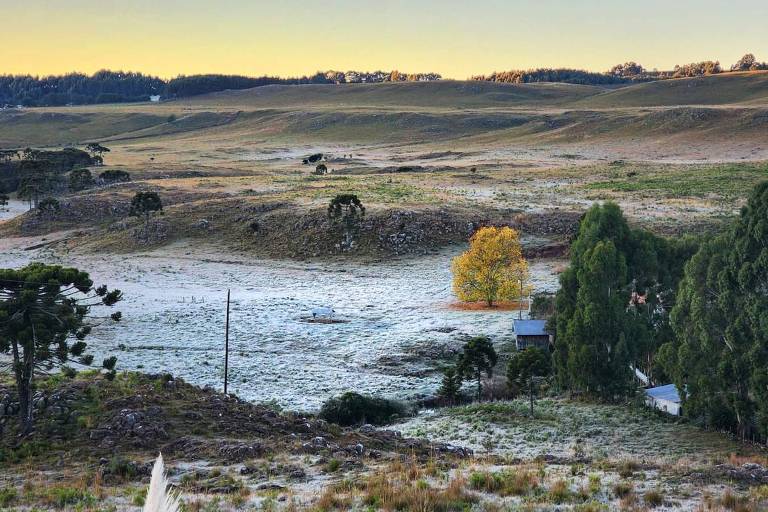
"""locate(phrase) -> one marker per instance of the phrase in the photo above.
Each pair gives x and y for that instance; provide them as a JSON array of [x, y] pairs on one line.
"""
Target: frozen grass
[[564, 428]]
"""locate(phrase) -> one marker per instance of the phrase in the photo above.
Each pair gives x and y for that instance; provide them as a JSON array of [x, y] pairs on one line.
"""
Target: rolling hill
[[727, 88]]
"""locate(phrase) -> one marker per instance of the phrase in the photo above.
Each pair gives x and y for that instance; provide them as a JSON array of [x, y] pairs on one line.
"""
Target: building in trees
[[531, 333]]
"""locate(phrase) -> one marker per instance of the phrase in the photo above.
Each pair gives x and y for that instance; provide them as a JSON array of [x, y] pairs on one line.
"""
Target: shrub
[[485, 481], [653, 498], [354, 409], [7, 496], [559, 492], [48, 206], [622, 489], [62, 497], [114, 176], [507, 483]]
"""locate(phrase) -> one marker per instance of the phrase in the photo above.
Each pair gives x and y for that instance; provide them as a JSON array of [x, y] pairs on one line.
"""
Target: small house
[[531, 333], [154, 98], [664, 398]]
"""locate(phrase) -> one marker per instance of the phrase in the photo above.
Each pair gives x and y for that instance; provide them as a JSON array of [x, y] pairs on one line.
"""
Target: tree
[[748, 63], [80, 179], [612, 308], [37, 179], [321, 169], [451, 385], [526, 368], [492, 269], [478, 358], [44, 314], [48, 207], [720, 353], [543, 306], [4, 200], [531, 362], [347, 210], [145, 204], [97, 150], [112, 176]]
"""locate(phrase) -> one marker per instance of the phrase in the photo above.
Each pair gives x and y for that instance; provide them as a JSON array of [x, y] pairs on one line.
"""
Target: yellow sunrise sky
[[454, 38]]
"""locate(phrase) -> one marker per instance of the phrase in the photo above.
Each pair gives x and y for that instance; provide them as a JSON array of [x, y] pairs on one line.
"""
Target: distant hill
[[726, 88], [443, 94]]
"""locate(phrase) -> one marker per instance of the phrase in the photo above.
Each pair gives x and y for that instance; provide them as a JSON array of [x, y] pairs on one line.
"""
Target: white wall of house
[[667, 406]]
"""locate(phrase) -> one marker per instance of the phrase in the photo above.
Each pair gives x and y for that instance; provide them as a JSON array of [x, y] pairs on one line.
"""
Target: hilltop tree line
[[692, 311], [625, 73], [35, 175], [118, 86]]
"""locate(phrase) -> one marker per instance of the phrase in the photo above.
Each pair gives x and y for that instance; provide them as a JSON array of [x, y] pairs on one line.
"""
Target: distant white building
[[323, 312], [664, 398], [155, 98]]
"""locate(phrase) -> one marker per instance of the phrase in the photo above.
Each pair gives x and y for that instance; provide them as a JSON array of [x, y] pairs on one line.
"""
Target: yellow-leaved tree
[[493, 269]]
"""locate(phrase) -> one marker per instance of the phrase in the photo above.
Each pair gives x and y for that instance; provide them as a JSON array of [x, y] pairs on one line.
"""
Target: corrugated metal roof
[[530, 327], [668, 392]]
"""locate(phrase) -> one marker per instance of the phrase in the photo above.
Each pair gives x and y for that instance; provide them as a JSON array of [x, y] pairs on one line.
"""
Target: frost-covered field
[[398, 324]]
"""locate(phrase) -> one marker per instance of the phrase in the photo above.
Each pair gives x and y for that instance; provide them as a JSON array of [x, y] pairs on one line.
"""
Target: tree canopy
[[478, 358], [44, 313], [719, 356], [612, 309], [492, 269]]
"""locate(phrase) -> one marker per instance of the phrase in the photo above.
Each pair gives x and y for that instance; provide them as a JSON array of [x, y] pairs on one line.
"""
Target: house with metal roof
[[664, 398], [531, 333]]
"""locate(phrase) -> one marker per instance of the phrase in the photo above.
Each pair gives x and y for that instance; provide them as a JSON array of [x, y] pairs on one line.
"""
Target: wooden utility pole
[[226, 347]]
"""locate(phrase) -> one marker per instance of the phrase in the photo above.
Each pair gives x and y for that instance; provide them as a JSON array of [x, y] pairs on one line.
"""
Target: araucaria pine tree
[[478, 358], [44, 312]]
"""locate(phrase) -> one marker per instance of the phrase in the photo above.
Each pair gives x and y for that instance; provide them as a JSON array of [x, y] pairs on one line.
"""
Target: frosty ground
[[399, 329]]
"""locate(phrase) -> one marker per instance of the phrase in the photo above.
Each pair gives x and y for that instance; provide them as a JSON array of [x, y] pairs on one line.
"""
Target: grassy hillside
[[751, 87], [444, 94]]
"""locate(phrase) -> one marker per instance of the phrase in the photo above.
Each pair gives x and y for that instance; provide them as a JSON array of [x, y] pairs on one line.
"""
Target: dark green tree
[[531, 362], [112, 176], [347, 210], [478, 358], [37, 180], [612, 309], [145, 204], [80, 179], [451, 385], [97, 150], [44, 312], [48, 207], [720, 354]]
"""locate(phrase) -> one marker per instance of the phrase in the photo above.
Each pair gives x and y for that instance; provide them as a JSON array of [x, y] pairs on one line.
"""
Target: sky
[[291, 37]]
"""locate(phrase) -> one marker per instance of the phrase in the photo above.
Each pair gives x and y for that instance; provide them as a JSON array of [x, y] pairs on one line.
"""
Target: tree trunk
[[479, 387], [23, 365]]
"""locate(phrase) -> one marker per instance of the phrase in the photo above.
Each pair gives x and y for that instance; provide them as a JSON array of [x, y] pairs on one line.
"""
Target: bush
[[653, 498], [354, 409], [7, 496], [114, 176]]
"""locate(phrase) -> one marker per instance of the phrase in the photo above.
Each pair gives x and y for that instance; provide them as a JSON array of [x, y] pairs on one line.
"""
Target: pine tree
[[720, 354], [478, 358], [450, 386]]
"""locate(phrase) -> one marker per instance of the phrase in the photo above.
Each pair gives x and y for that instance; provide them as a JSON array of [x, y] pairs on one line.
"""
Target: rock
[[238, 452], [367, 429], [270, 486]]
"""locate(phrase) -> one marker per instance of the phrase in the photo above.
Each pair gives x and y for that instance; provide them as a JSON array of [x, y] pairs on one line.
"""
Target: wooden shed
[[531, 333]]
